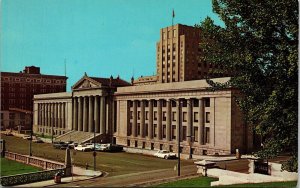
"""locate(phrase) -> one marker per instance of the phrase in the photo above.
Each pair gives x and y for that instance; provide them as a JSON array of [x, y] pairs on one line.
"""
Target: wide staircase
[[76, 136]]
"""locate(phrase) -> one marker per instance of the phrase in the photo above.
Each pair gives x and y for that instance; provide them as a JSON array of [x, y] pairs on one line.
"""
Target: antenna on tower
[[65, 67], [173, 16]]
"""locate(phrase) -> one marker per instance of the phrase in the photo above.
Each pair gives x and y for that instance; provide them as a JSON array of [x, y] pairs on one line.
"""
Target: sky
[[99, 37]]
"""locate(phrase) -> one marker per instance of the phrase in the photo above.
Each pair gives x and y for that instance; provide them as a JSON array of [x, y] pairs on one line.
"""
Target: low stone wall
[[30, 177], [34, 161]]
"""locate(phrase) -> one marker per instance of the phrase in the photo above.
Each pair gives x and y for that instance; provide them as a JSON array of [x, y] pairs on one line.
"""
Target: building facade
[[89, 106], [147, 116], [152, 112], [17, 90], [178, 57]]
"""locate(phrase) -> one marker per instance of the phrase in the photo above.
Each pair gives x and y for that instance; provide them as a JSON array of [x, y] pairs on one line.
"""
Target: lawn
[[113, 163], [205, 182], [194, 182], [10, 167]]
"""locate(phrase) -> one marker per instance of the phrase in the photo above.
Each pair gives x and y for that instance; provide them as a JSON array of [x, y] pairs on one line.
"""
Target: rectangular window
[[147, 115], [160, 146], [129, 131], [164, 116], [128, 142], [131, 114], [184, 133], [174, 32], [164, 131], [155, 130], [171, 148], [139, 115], [152, 146], [196, 103], [135, 144], [195, 134], [207, 102], [206, 134], [173, 116], [155, 115], [173, 132], [207, 117], [146, 129], [144, 145], [196, 118], [184, 116], [138, 128]]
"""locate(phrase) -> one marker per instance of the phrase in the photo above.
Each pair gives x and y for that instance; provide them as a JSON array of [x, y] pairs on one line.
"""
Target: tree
[[259, 45]]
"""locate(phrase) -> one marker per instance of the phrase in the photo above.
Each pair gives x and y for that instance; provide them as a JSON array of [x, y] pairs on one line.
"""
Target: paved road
[[141, 178], [133, 178]]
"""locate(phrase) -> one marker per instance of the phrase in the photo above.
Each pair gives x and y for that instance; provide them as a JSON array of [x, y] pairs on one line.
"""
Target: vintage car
[[83, 147], [60, 145], [165, 154]]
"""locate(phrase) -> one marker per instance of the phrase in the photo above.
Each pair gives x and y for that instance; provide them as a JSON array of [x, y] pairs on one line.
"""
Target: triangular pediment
[[85, 83]]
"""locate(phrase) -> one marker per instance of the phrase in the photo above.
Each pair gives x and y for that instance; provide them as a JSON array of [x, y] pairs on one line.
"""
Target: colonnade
[[89, 112], [52, 114], [139, 108]]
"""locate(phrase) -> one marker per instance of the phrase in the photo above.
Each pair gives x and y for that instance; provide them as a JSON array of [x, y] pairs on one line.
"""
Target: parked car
[[72, 145], [26, 137], [83, 147], [101, 147], [60, 145], [8, 134], [115, 148], [38, 140], [91, 145], [165, 154]]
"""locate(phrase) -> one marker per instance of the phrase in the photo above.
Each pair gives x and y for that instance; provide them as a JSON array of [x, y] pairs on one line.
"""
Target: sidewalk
[[81, 174]]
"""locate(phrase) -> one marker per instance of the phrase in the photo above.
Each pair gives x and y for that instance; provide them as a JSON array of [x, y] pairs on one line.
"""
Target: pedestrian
[[86, 166]]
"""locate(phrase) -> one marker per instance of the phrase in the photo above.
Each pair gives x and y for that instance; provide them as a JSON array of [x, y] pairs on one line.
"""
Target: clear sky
[[100, 37]]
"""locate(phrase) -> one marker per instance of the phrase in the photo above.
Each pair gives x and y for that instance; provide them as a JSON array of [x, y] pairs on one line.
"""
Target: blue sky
[[100, 37]]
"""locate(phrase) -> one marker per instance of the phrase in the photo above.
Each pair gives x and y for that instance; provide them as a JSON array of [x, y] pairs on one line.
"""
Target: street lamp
[[178, 132], [94, 153]]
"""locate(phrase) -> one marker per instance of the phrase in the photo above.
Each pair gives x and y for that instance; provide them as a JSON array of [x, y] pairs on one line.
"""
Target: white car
[[26, 137], [102, 147], [82, 147], [165, 154]]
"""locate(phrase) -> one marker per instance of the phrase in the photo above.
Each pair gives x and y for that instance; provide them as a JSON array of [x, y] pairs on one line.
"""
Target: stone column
[[103, 115], [75, 115], [43, 114], [159, 119], [91, 114], [85, 114], [201, 122], [96, 114], [59, 115], [189, 119], [80, 128], [134, 122], [150, 124], [55, 114], [142, 122], [52, 115], [63, 115], [168, 123], [48, 115]]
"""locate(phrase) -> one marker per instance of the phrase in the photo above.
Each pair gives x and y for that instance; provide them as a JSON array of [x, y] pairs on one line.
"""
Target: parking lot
[[113, 163]]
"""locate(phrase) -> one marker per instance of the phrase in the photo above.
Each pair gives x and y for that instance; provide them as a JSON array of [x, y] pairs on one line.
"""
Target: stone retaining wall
[[34, 161]]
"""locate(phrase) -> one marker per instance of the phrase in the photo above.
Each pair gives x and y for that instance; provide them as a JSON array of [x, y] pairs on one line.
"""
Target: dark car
[[60, 145], [115, 148]]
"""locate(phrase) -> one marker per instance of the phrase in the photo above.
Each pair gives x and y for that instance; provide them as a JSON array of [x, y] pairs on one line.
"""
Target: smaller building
[[17, 90]]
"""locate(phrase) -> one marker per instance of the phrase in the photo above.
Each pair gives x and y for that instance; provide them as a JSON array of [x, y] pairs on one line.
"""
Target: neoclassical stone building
[[148, 112], [146, 116]]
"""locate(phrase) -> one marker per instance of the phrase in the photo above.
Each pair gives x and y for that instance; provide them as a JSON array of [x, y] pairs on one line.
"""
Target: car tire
[[165, 157]]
